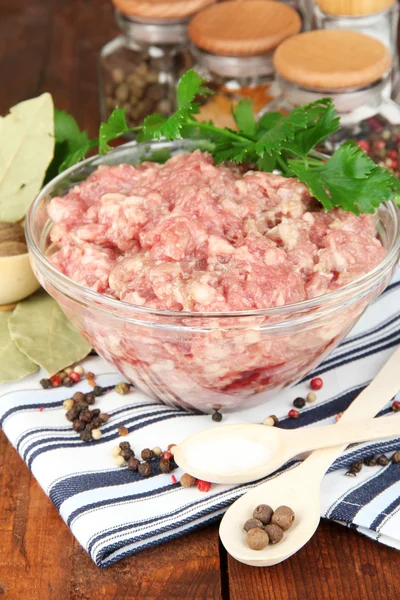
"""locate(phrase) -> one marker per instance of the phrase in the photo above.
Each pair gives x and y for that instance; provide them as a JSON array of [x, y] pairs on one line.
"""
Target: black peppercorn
[[147, 454], [80, 406], [78, 397], [127, 454], [396, 457], [45, 383], [370, 461], [72, 414], [382, 460], [104, 417], [351, 474], [144, 469], [96, 423], [299, 402], [98, 390], [133, 463], [90, 398], [86, 435], [77, 425], [68, 382], [165, 465], [86, 416], [356, 466], [217, 417], [124, 445]]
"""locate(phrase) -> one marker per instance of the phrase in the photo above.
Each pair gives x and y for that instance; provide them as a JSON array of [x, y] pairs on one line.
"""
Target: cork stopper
[[332, 59], [160, 9], [354, 8], [235, 28]]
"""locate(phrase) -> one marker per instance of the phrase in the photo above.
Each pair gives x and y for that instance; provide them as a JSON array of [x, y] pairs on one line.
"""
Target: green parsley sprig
[[348, 179]]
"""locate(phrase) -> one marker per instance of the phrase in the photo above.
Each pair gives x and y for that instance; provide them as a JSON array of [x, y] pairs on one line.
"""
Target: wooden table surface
[[53, 45]]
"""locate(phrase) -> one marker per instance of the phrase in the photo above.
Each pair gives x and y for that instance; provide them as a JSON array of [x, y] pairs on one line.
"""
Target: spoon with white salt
[[246, 452], [299, 487]]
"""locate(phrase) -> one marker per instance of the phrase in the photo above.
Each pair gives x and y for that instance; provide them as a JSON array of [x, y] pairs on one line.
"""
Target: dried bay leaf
[[26, 149], [14, 365], [43, 333]]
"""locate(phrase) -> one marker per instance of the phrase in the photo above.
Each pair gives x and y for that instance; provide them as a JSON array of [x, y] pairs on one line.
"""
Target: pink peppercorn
[[293, 414], [55, 381], [380, 144], [338, 416], [75, 376], [364, 145], [396, 406], [41, 409], [316, 383], [167, 455], [203, 486], [392, 154], [173, 479]]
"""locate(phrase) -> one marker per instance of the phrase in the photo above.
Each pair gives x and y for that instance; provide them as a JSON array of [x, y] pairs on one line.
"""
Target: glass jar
[[233, 43], [139, 69], [318, 64]]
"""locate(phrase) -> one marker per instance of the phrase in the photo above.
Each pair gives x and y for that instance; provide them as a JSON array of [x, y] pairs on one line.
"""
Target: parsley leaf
[[190, 86], [244, 117], [115, 127]]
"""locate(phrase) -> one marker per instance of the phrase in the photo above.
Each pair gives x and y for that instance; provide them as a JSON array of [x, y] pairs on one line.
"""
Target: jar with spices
[[233, 42], [352, 69], [139, 69]]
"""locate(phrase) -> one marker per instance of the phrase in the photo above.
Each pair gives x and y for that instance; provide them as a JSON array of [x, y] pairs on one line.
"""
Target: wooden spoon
[[299, 487], [268, 448]]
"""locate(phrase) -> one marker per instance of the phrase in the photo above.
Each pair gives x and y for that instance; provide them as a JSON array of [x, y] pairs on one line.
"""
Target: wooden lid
[[354, 7], [160, 9], [242, 28], [332, 59]]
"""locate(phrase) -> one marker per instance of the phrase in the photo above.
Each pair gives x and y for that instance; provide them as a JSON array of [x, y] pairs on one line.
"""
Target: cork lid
[[160, 9], [332, 59], [237, 28], [354, 7]]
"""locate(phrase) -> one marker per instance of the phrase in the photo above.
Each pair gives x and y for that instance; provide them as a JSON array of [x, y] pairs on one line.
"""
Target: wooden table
[[53, 45]]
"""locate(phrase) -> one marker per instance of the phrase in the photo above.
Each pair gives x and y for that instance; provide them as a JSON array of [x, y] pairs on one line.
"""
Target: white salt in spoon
[[299, 487]]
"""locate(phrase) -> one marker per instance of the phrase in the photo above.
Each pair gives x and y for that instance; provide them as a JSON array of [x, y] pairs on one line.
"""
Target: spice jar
[[233, 42], [139, 69], [351, 68]]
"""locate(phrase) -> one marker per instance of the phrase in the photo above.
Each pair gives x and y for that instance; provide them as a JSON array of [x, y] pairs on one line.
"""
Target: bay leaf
[[14, 365], [44, 334], [26, 149]]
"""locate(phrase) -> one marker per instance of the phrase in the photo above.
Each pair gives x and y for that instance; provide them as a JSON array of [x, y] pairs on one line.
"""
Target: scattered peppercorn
[[274, 532], [68, 404], [86, 416], [257, 539], [293, 414], [396, 405], [311, 397], [68, 370], [127, 453], [80, 406], [187, 480], [72, 414], [157, 451], [283, 517], [104, 417], [68, 382], [316, 383], [55, 381], [77, 425], [98, 390], [122, 388], [45, 383], [80, 370], [263, 513], [170, 446], [75, 376], [62, 375], [173, 479], [299, 402], [116, 451], [167, 455], [90, 375], [78, 397], [271, 421], [147, 454], [356, 466], [396, 457], [203, 486], [382, 460], [252, 524], [119, 461], [133, 463], [338, 416], [96, 434], [370, 461], [123, 431], [217, 416], [124, 445], [165, 465], [86, 435], [144, 469], [90, 398]]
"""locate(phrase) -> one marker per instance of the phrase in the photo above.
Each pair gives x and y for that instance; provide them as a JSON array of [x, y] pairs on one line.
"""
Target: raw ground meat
[[190, 236]]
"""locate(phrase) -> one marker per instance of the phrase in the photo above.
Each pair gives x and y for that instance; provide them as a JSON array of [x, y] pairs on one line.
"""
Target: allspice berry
[[147, 454], [275, 533], [188, 481], [382, 460], [252, 524], [283, 517], [257, 539], [263, 513]]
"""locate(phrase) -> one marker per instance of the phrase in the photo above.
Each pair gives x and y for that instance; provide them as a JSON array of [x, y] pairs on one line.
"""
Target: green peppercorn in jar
[[354, 70], [139, 69]]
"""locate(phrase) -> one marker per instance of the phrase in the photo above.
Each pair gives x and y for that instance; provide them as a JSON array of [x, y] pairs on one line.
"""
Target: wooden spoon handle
[[382, 388], [346, 433]]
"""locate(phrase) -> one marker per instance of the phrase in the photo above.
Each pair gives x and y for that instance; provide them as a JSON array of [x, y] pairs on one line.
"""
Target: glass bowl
[[205, 360]]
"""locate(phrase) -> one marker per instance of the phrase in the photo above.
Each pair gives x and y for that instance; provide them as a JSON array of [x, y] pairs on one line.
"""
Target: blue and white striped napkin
[[114, 513]]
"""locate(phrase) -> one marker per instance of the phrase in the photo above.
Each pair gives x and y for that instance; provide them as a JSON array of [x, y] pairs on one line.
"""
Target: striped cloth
[[114, 513]]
